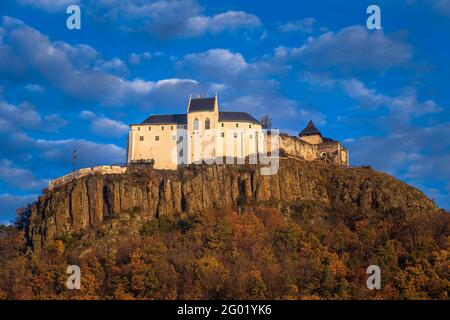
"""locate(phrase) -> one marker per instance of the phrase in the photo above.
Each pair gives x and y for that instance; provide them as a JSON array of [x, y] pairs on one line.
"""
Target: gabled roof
[[237, 117], [166, 119], [182, 118], [310, 130], [202, 104]]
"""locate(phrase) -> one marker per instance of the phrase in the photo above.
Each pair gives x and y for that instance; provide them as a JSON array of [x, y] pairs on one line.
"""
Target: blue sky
[[385, 93]]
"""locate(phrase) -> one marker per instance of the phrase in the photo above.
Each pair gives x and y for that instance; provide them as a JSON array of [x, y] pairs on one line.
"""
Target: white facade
[[203, 134]]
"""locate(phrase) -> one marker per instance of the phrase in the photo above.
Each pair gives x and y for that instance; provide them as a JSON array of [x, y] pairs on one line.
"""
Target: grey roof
[[310, 130], [237, 116], [166, 119], [202, 104], [225, 116]]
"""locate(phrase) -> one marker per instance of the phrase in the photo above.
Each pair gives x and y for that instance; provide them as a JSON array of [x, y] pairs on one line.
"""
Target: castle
[[205, 133]]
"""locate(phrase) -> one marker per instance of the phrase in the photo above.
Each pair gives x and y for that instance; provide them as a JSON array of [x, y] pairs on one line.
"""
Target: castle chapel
[[205, 133]]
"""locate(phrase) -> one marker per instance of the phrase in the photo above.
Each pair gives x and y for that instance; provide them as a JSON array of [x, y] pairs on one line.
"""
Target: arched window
[[207, 124], [196, 124]]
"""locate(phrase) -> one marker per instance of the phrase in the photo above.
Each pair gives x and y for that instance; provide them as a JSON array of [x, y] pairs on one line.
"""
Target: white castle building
[[203, 133]]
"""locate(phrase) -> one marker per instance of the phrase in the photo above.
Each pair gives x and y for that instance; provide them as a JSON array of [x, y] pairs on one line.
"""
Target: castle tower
[[311, 134]]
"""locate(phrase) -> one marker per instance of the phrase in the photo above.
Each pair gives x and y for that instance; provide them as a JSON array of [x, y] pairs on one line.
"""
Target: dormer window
[[207, 124], [196, 124]]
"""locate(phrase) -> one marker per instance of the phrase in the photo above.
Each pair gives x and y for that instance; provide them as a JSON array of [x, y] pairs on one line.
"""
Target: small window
[[207, 124], [196, 124], [156, 138], [222, 124], [141, 138], [139, 128], [250, 126], [162, 128], [237, 125], [171, 127], [222, 134], [149, 128], [235, 135]]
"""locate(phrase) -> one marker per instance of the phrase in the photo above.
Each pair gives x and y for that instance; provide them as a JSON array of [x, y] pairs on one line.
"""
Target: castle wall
[[313, 139], [293, 146], [145, 146], [198, 140], [239, 141]]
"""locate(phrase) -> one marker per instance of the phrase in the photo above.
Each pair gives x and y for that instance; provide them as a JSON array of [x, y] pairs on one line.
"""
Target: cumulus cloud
[[305, 25], [20, 178], [172, 18], [79, 72], [10, 203], [104, 126], [227, 65], [351, 48], [417, 155], [57, 154], [34, 88], [440, 6], [283, 111], [404, 106], [49, 5], [137, 58], [215, 62], [25, 116], [114, 66]]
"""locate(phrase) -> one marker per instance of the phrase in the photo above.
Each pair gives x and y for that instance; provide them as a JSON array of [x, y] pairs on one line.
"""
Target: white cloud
[[215, 62], [9, 203], [104, 126], [25, 116], [305, 25], [440, 6], [284, 112], [173, 18], [20, 147], [34, 88], [404, 106], [19, 178], [78, 70], [228, 66], [114, 66], [137, 58], [352, 48], [49, 5], [417, 155]]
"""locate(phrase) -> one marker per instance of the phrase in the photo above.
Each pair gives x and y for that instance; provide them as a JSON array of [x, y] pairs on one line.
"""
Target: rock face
[[106, 205]]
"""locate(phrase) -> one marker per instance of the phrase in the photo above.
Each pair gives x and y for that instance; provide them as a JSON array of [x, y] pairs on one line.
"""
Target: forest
[[261, 253]]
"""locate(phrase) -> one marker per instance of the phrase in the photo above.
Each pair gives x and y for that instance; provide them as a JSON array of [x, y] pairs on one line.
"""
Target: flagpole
[[74, 158]]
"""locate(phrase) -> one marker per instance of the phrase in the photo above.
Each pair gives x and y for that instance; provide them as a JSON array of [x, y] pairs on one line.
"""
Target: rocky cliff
[[104, 206]]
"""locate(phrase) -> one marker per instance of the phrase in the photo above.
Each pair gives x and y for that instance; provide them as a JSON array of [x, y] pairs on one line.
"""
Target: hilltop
[[226, 231]]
